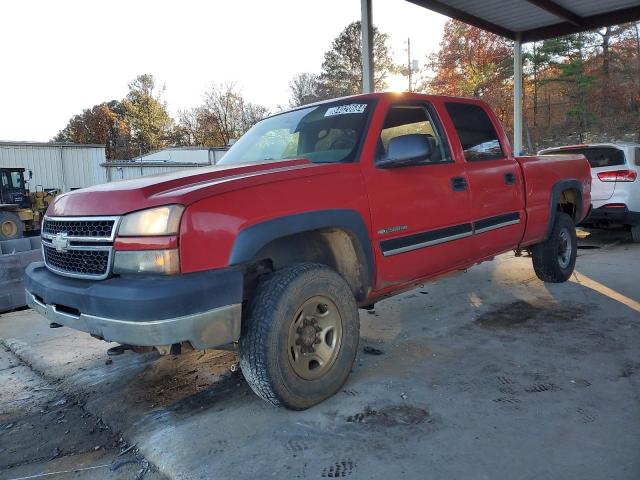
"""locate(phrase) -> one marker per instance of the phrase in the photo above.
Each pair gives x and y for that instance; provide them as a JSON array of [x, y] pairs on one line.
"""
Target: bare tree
[[304, 89], [224, 115]]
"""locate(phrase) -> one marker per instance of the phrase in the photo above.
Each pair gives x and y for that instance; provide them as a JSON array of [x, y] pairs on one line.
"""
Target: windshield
[[326, 133], [597, 156]]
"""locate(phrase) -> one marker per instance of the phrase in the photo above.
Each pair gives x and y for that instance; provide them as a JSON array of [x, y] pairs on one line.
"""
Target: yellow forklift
[[21, 210]]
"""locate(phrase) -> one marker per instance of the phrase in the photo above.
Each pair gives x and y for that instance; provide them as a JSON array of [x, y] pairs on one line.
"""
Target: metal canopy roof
[[532, 20]]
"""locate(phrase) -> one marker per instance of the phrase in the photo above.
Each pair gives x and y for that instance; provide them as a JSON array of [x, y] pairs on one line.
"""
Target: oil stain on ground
[[392, 416], [521, 313]]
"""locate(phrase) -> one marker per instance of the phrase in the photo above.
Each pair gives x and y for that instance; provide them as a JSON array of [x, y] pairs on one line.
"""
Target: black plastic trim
[[497, 220], [250, 240], [556, 190], [140, 297], [440, 235], [604, 215]]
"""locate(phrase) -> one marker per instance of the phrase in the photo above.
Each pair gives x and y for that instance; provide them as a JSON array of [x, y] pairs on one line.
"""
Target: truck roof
[[377, 95]]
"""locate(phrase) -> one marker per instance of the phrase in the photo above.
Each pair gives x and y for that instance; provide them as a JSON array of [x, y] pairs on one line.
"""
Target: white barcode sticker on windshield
[[346, 109]]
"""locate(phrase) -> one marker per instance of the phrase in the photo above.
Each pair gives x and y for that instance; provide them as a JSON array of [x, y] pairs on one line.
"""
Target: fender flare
[[556, 191], [250, 240]]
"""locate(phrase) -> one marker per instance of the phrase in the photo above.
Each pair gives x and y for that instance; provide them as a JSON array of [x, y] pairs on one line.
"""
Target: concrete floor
[[44, 430], [490, 374]]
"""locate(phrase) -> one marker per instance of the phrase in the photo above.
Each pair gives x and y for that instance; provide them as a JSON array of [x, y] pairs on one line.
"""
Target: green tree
[[569, 56], [341, 73], [146, 114], [536, 61]]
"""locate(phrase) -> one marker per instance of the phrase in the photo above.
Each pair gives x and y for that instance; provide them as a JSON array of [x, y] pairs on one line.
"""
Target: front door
[[420, 214]]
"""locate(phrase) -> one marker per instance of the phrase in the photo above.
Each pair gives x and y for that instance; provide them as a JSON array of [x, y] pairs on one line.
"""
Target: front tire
[[300, 337], [555, 258], [10, 226]]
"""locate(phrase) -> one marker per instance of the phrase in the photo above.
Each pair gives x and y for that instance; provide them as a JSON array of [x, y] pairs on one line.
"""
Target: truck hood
[[183, 187]]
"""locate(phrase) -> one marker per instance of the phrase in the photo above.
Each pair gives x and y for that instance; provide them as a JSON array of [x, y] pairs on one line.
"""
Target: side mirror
[[407, 150]]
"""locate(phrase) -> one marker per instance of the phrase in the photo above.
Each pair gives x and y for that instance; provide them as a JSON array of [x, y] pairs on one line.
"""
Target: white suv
[[615, 190]]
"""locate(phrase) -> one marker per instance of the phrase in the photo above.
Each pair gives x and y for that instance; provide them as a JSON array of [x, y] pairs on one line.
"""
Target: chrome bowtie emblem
[[60, 242]]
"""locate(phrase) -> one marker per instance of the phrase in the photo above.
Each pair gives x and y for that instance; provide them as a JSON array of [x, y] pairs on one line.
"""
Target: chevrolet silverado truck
[[313, 213]]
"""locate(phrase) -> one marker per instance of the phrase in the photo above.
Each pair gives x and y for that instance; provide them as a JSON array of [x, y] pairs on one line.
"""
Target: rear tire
[[635, 233], [10, 226], [300, 337], [555, 258]]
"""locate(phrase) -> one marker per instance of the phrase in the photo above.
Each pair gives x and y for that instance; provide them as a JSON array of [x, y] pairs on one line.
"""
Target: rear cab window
[[476, 132], [598, 157]]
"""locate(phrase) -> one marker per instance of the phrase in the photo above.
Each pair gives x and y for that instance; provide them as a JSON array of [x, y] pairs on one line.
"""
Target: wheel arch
[[566, 196], [338, 238]]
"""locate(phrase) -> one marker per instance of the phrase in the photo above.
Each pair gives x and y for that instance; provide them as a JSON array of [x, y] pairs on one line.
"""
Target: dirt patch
[[392, 416], [522, 313], [172, 379], [227, 390]]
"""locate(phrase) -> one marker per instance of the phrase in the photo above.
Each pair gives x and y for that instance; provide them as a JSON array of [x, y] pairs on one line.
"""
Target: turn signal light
[[618, 176]]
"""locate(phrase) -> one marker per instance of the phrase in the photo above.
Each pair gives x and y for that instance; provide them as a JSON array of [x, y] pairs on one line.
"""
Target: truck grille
[[87, 263], [79, 228], [79, 247]]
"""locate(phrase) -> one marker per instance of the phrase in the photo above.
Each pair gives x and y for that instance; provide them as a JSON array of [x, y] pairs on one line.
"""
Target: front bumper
[[607, 215], [202, 308]]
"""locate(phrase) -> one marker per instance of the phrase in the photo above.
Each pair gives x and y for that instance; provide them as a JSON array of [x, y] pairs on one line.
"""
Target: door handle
[[458, 184], [509, 178]]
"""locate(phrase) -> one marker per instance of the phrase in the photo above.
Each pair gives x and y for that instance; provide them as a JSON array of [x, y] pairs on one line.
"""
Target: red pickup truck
[[313, 213]]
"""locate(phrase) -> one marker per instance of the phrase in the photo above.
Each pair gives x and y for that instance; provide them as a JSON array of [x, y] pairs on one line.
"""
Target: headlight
[[153, 221], [164, 262]]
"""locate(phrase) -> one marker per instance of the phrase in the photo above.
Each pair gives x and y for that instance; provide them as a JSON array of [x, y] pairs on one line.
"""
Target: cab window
[[477, 134], [16, 179], [411, 120], [11, 180]]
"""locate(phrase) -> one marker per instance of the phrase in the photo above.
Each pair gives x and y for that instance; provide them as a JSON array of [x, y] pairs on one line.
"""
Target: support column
[[517, 97], [367, 47]]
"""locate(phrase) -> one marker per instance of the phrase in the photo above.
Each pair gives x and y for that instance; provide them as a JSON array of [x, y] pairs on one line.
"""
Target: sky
[[60, 57]]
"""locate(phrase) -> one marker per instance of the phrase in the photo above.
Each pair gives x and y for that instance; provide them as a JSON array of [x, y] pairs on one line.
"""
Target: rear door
[[495, 180]]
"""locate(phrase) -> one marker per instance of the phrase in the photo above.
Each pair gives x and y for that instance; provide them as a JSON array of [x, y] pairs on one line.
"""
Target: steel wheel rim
[[564, 250], [315, 338], [8, 228]]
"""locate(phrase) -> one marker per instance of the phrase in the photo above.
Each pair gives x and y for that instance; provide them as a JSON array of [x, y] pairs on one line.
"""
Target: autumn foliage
[[580, 88]]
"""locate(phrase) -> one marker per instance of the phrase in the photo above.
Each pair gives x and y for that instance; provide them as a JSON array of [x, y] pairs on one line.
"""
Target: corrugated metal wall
[[65, 167], [69, 167]]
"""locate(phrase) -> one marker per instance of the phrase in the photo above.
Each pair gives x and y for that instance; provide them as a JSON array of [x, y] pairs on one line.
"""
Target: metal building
[[68, 166], [204, 155], [64, 166], [166, 160]]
